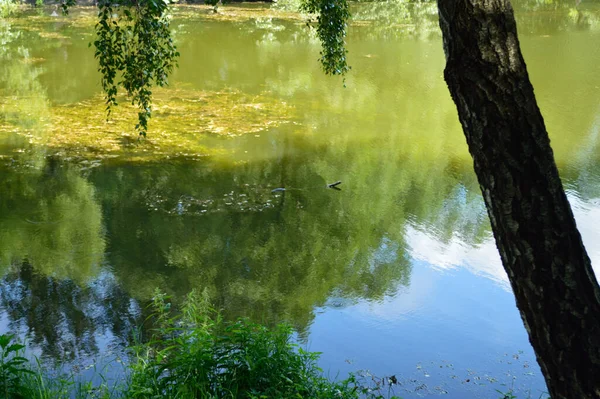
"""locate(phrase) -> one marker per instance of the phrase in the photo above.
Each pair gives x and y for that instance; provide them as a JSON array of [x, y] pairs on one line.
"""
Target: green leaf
[[14, 348], [5, 340]]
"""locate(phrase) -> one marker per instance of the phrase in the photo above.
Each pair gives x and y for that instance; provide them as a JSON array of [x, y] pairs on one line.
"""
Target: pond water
[[396, 273]]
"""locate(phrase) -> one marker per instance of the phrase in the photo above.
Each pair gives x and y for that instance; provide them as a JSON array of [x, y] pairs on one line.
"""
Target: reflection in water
[[23, 101], [50, 218], [483, 258], [65, 320], [273, 262], [384, 262]]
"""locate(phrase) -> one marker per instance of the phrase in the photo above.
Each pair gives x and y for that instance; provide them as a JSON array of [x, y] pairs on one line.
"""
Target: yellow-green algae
[[235, 13], [79, 16], [87, 16], [180, 120], [82, 16]]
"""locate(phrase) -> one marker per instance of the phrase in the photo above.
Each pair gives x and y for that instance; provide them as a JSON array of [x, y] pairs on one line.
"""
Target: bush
[[8, 7], [198, 355]]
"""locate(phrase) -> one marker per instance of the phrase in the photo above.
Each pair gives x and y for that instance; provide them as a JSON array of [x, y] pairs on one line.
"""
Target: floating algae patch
[[245, 198], [34, 20], [401, 16], [235, 13], [181, 119], [30, 60], [52, 35], [363, 14], [87, 17]]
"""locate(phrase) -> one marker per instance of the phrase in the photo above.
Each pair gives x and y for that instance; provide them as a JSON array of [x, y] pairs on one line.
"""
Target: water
[[396, 273]]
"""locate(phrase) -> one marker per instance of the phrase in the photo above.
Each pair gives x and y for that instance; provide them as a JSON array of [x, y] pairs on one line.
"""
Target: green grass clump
[[21, 379], [13, 367], [199, 355]]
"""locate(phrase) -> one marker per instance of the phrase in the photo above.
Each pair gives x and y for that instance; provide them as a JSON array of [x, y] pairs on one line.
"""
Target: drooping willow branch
[[135, 51], [331, 24]]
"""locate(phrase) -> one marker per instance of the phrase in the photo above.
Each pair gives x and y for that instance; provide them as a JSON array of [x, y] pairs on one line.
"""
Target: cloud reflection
[[483, 259]]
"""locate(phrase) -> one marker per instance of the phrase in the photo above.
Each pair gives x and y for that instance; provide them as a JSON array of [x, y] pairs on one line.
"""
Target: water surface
[[396, 273]]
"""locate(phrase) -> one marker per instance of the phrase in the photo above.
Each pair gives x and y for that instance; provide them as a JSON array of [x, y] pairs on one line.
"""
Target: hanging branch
[[331, 25], [135, 51]]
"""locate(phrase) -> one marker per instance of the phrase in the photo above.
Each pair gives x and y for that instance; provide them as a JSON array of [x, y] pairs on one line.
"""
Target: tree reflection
[[220, 229], [50, 217], [51, 251], [62, 318]]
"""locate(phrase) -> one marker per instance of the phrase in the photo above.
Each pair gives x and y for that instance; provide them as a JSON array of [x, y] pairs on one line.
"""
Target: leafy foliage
[[12, 368], [332, 18], [64, 5], [198, 355], [137, 47], [135, 51], [7, 7]]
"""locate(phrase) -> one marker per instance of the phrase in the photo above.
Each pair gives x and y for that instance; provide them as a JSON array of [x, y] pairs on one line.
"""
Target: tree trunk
[[541, 249]]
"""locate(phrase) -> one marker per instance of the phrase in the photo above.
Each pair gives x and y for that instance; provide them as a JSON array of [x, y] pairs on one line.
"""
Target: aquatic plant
[[78, 131]]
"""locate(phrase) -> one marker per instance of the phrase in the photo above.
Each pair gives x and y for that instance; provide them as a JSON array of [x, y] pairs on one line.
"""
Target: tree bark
[[541, 249]]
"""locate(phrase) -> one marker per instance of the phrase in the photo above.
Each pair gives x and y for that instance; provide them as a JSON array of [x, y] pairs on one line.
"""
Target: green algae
[[236, 13], [87, 17], [182, 119]]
